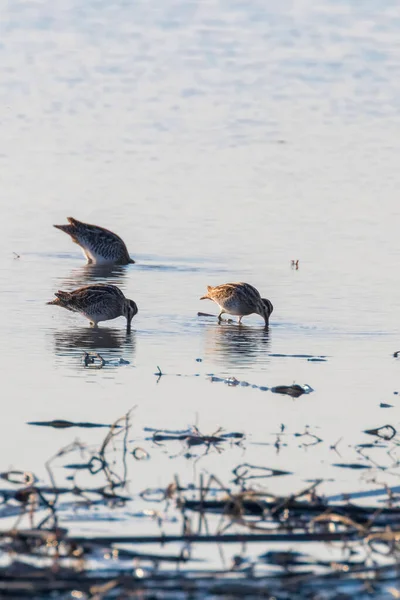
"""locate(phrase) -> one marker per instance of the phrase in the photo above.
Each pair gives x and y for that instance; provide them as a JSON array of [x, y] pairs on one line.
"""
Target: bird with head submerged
[[239, 299], [97, 303], [100, 246]]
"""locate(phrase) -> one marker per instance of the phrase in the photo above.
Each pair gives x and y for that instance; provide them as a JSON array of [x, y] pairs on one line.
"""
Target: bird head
[[130, 310], [265, 309]]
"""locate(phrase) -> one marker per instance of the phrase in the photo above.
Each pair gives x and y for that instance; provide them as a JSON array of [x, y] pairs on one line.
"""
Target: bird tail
[[71, 228], [56, 301], [61, 298], [207, 296]]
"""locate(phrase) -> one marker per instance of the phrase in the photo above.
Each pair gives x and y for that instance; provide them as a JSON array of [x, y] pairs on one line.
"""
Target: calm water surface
[[221, 140]]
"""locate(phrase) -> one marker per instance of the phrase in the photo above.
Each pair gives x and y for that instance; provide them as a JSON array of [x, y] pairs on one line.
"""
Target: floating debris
[[314, 439], [140, 454], [93, 360], [295, 390], [245, 472], [19, 477], [41, 558], [316, 359], [61, 424], [307, 356], [351, 465], [192, 437], [384, 405], [386, 432]]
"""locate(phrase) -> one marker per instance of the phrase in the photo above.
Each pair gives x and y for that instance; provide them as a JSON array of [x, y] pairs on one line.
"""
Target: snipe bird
[[97, 303], [99, 245], [239, 299]]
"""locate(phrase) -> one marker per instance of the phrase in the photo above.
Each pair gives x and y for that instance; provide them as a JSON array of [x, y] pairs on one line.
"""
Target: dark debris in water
[[61, 424], [351, 465], [245, 472], [42, 558], [94, 360], [308, 357], [295, 390], [386, 432], [193, 437]]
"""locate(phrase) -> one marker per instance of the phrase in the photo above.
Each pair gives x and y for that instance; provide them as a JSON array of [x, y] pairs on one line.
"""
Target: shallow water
[[221, 140]]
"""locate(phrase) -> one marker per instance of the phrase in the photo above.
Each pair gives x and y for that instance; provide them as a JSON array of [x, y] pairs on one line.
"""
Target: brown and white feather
[[97, 302], [239, 299], [100, 245]]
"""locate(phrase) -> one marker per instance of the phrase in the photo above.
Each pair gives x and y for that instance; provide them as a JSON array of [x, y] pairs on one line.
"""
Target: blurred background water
[[220, 140]]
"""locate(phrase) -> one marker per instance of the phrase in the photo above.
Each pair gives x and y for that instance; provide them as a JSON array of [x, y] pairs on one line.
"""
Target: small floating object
[[294, 390], [316, 359], [376, 444], [246, 471], [61, 424], [93, 360], [140, 454], [384, 405], [232, 381], [153, 494], [235, 434], [122, 361], [19, 477], [352, 466], [396, 354], [386, 432]]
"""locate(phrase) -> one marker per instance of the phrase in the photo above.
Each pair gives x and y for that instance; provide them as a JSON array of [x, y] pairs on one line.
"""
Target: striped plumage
[[99, 245], [239, 299], [97, 303]]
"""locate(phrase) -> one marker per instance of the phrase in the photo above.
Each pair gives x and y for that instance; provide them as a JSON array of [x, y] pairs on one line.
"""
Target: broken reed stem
[[231, 538]]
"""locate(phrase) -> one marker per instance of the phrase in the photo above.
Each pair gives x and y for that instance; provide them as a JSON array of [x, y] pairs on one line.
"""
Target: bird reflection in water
[[237, 345], [95, 274], [111, 343]]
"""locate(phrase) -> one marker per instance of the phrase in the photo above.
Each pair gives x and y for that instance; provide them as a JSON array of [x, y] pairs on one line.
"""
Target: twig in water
[[334, 447], [159, 373]]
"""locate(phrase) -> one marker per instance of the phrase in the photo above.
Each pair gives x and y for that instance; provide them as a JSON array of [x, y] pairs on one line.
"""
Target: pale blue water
[[221, 140]]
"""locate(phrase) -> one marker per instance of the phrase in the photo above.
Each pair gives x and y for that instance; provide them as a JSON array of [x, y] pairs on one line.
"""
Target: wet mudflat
[[189, 459]]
